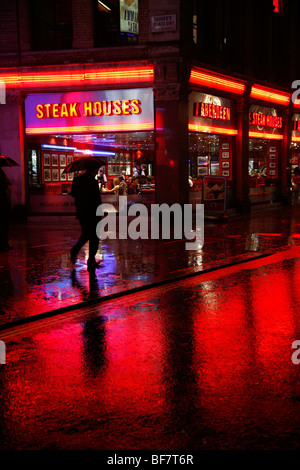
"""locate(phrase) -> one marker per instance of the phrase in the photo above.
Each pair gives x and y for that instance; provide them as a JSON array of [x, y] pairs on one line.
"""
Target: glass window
[[204, 155], [51, 27], [107, 24], [263, 170]]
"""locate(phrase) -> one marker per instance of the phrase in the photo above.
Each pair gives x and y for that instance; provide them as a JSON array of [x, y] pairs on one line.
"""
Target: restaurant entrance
[[129, 155], [116, 126]]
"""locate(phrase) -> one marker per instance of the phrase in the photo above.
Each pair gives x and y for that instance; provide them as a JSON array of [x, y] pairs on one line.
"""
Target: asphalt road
[[201, 364]]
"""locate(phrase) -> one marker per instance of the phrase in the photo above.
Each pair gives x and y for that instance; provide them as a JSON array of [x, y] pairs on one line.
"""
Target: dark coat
[[85, 191]]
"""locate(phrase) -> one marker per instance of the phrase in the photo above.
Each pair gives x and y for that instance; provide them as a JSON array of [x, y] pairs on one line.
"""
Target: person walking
[[5, 209], [87, 197]]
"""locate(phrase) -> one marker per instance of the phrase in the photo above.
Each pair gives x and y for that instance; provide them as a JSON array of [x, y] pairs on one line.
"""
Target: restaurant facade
[[211, 125]]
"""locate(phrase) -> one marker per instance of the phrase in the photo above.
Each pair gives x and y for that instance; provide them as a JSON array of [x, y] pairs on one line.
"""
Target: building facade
[[188, 90]]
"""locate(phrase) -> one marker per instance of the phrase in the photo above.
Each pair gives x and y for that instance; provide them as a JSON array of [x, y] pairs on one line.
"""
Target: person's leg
[[93, 243], [84, 237]]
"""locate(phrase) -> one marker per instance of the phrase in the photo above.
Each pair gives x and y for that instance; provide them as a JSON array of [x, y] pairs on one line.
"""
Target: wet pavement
[[36, 277], [198, 364]]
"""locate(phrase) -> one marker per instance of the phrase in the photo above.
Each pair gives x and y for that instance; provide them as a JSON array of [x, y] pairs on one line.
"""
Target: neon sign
[[88, 108], [296, 125], [87, 111], [267, 120], [221, 82], [212, 111]]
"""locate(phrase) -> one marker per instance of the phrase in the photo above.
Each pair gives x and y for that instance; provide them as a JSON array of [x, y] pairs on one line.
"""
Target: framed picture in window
[[54, 159], [63, 176], [62, 160], [55, 175], [46, 159], [47, 175]]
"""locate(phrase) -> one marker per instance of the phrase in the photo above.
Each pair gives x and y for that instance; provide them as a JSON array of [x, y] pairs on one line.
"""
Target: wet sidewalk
[[37, 277]]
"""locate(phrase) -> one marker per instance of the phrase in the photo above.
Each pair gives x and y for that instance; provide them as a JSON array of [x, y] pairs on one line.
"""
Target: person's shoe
[[92, 264]]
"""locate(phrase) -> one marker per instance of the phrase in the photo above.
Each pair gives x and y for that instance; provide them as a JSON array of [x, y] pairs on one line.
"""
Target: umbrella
[[87, 163], [6, 161]]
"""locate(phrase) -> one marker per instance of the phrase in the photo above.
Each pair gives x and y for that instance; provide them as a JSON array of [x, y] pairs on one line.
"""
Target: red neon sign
[[296, 125], [102, 76], [212, 111], [117, 127], [260, 119], [268, 94], [265, 135], [211, 129], [220, 82]]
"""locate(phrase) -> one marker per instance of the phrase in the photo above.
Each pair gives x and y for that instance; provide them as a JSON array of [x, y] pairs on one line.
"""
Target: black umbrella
[[6, 161], [86, 163]]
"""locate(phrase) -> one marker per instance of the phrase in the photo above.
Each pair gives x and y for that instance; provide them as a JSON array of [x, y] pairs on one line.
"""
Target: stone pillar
[[242, 156], [285, 161], [172, 150]]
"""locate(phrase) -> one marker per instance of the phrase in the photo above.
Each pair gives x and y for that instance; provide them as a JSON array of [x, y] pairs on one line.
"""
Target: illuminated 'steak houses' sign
[[266, 120], [102, 111], [88, 108]]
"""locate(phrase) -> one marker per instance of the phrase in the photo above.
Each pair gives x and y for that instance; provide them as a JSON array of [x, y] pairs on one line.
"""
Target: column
[[285, 165], [172, 150], [242, 156]]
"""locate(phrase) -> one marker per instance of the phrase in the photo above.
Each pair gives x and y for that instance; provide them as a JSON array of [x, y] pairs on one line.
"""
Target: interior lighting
[[268, 94], [220, 82], [86, 151], [212, 129], [100, 153], [57, 147], [105, 7]]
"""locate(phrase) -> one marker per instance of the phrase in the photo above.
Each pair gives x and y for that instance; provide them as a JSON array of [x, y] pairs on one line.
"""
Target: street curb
[[116, 295]]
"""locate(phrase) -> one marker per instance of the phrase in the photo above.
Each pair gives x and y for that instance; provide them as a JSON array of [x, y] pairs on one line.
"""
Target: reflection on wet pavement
[[203, 363], [36, 276]]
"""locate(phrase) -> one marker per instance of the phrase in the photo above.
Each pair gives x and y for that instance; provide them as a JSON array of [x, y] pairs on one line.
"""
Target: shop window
[[263, 170], [204, 155], [51, 24], [108, 30]]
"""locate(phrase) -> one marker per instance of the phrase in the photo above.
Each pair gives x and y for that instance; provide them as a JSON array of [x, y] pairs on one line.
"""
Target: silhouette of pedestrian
[[87, 197]]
